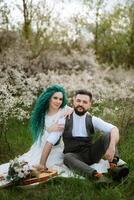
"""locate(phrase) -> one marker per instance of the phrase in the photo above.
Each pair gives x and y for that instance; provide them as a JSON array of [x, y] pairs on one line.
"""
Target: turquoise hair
[[37, 120]]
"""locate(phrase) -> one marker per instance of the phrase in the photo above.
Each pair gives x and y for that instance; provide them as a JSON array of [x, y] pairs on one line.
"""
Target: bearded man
[[79, 150]]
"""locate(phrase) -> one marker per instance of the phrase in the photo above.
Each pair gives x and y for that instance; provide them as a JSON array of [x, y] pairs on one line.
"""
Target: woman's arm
[[55, 128], [67, 111]]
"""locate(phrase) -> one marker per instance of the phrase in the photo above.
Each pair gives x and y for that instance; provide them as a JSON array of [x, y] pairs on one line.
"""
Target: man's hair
[[84, 92]]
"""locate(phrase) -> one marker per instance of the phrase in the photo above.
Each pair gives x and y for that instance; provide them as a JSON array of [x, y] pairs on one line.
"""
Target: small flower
[[17, 170], [21, 174]]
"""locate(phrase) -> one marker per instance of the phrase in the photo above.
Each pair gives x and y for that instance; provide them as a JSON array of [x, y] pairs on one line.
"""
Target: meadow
[[80, 53], [17, 140]]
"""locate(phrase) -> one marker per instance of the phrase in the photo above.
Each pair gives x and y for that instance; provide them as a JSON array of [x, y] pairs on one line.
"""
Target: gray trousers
[[79, 162]]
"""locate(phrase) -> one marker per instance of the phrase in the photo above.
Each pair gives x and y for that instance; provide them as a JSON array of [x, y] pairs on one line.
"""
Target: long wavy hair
[[37, 120]]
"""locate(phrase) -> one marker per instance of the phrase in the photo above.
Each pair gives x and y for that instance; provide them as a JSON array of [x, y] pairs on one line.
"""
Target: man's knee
[[67, 157]]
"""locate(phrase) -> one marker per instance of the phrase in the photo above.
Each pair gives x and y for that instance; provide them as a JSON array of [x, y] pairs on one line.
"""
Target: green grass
[[68, 189], [19, 141]]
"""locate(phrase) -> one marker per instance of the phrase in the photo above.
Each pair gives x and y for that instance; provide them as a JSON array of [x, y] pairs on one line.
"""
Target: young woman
[[47, 123]]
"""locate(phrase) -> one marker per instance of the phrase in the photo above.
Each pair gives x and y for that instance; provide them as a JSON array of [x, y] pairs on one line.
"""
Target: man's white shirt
[[79, 127]]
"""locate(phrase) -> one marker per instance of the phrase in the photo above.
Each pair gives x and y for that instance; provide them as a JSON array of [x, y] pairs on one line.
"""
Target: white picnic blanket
[[55, 161]]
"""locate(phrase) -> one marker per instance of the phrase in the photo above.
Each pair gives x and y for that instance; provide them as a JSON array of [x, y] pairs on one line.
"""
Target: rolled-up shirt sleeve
[[53, 137], [101, 125]]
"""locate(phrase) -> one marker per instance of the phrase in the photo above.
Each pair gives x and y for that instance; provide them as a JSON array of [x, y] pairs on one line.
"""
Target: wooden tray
[[42, 177]]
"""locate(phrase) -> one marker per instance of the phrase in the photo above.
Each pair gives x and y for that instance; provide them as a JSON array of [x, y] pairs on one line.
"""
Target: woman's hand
[[68, 112], [55, 127]]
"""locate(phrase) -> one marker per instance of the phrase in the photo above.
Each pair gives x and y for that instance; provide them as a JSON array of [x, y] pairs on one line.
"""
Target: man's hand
[[109, 155], [55, 127]]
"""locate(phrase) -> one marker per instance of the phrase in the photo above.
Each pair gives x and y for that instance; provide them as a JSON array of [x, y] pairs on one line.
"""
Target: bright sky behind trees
[[64, 8]]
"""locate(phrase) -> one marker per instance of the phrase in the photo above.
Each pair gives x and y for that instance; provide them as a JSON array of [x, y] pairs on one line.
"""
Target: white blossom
[[18, 169]]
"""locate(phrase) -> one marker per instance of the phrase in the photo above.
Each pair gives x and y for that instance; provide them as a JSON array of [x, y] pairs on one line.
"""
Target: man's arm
[[107, 128], [114, 138]]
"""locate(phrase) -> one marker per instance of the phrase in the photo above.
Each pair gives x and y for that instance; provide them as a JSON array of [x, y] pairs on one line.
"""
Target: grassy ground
[[19, 141]]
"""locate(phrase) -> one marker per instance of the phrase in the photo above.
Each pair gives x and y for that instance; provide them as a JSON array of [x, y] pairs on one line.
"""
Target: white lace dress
[[34, 154], [55, 159]]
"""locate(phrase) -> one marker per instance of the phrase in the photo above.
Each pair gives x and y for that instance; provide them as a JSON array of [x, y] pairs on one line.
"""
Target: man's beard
[[80, 113]]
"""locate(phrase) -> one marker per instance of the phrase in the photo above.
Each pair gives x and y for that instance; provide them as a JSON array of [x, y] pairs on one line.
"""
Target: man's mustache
[[80, 107]]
